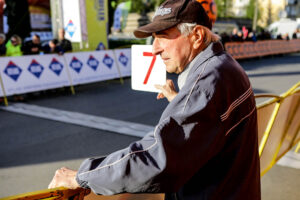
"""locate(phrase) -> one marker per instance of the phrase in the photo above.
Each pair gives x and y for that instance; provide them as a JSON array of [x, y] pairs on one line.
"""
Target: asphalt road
[[32, 148]]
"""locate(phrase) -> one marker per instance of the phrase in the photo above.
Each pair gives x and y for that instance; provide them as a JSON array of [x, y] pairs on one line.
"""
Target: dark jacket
[[65, 45], [204, 146], [28, 47]]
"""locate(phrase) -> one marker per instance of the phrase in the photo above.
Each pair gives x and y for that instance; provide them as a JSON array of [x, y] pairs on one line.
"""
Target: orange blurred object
[[211, 9]]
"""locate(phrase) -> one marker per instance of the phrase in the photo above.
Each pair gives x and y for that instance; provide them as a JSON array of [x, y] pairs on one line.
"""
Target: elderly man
[[205, 144]]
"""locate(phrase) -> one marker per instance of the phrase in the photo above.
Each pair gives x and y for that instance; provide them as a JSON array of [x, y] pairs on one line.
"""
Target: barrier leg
[[118, 68], [4, 93], [69, 76], [297, 148]]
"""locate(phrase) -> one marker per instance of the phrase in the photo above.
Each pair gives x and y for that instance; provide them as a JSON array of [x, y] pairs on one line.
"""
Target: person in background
[[33, 46], [251, 37], [236, 36], [2, 45], [286, 37], [53, 47], [64, 43], [294, 35], [13, 46]]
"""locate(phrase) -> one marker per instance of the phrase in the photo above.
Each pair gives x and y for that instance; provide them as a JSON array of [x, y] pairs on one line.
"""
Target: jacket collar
[[211, 50]]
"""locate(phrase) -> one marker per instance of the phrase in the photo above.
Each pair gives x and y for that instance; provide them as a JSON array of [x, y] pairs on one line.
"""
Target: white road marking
[[91, 121], [290, 159]]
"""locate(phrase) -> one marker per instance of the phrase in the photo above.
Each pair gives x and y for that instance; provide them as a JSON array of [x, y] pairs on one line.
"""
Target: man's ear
[[197, 37]]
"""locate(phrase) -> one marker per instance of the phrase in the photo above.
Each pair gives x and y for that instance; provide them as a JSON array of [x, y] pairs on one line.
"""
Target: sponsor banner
[[97, 23], [32, 73], [123, 57], [71, 16], [86, 67], [25, 74]]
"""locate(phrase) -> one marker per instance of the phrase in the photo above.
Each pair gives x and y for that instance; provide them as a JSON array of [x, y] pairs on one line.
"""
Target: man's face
[[61, 34], [1, 40], [35, 40], [174, 48]]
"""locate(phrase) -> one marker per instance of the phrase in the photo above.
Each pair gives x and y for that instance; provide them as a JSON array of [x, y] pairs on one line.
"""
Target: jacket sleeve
[[163, 160]]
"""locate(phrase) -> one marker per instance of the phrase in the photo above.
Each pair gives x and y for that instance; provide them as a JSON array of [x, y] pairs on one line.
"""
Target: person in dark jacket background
[[2, 45], [33, 46], [64, 43], [205, 144]]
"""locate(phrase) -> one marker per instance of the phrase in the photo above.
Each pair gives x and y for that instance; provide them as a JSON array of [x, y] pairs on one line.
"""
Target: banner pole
[[118, 67], [3, 90], [69, 76]]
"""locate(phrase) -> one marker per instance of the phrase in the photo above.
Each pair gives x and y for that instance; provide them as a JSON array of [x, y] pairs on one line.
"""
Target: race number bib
[[147, 69]]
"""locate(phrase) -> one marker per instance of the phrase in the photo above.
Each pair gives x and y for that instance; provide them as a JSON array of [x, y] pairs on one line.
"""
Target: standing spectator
[[286, 37], [251, 37], [295, 35], [13, 46], [53, 47], [64, 43], [236, 36], [33, 46], [2, 45], [279, 37], [225, 38]]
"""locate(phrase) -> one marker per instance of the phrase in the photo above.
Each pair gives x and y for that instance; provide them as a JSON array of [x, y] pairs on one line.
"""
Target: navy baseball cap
[[173, 12]]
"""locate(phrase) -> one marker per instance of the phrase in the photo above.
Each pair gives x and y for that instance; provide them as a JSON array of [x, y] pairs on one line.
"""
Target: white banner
[[123, 57], [32, 73], [41, 72], [71, 17], [86, 67]]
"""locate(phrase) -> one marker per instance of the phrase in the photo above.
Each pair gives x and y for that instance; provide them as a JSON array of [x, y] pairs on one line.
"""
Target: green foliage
[[250, 9], [142, 6], [139, 6], [223, 8]]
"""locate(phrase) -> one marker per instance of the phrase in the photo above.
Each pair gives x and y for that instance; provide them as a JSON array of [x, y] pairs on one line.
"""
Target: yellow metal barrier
[[51, 194], [278, 126], [278, 132]]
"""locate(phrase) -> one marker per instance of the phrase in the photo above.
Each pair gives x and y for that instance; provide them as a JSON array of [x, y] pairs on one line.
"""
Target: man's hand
[[167, 91], [64, 177]]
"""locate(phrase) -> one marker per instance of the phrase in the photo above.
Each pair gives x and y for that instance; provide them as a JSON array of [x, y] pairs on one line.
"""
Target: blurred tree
[[224, 8], [18, 18], [252, 12]]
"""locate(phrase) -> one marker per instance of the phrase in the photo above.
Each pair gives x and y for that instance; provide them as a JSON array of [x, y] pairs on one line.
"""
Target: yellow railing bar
[[50, 194], [298, 147], [268, 129], [279, 100], [274, 160], [291, 90], [275, 98], [3, 91]]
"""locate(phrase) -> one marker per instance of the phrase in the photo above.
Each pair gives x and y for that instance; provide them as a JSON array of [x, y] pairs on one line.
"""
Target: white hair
[[209, 36], [2, 36]]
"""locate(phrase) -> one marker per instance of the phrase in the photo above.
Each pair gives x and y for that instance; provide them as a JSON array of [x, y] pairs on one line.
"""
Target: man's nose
[[156, 48]]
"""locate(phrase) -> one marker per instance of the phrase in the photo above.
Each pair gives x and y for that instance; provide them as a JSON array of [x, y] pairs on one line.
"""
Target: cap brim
[[153, 27]]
